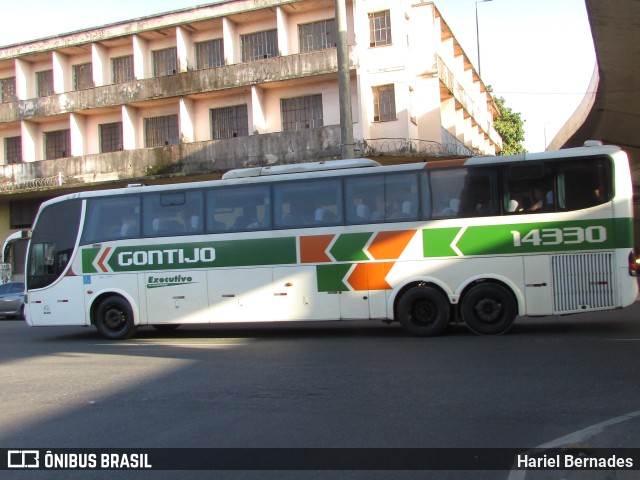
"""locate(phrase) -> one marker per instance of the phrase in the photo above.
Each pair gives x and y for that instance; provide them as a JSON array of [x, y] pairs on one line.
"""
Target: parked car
[[12, 299]]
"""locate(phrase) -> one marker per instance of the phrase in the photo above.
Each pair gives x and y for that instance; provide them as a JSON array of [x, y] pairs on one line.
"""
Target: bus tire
[[114, 318], [488, 309], [423, 311]]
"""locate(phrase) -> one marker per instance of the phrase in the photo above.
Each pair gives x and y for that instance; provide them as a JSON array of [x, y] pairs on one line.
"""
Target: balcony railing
[[480, 115], [269, 70], [197, 158]]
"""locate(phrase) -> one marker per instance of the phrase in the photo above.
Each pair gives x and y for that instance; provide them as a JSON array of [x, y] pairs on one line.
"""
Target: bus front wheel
[[488, 309], [114, 318], [423, 311]]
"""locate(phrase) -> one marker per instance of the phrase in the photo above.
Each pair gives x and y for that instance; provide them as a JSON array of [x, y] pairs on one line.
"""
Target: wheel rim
[[114, 319], [423, 313], [489, 310]]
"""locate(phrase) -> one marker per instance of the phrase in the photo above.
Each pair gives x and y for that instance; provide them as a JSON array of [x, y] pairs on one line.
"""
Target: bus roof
[[300, 168]]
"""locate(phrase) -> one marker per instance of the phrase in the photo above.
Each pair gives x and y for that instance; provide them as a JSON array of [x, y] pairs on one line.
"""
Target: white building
[[195, 92]]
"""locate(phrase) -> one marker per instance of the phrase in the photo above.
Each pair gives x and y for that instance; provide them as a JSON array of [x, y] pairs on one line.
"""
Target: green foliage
[[510, 126]]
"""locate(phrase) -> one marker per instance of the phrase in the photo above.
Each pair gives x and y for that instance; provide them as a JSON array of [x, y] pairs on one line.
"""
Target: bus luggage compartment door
[[538, 285], [296, 295], [176, 297], [241, 295]]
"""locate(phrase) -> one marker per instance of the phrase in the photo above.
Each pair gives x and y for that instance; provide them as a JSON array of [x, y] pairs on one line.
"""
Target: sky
[[537, 55]]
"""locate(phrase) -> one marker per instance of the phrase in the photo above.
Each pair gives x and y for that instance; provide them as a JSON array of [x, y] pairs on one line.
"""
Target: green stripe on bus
[[231, 253], [349, 247], [541, 237]]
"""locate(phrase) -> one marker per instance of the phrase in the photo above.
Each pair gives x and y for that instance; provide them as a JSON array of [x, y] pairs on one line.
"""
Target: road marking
[[170, 344], [578, 437]]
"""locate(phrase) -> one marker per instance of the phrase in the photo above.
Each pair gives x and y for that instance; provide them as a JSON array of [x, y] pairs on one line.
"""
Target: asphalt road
[[351, 385]]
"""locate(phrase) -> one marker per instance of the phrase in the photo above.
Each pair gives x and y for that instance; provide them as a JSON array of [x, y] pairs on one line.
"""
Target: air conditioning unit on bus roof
[[300, 168]]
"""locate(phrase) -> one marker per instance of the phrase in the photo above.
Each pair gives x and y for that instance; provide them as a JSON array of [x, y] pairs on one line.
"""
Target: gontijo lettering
[[176, 256], [166, 257]]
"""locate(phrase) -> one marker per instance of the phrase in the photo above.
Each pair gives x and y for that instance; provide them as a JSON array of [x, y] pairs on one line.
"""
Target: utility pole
[[478, 33], [344, 82]]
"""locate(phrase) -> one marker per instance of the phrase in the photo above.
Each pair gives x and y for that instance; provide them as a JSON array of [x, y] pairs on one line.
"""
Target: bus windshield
[[52, 243]]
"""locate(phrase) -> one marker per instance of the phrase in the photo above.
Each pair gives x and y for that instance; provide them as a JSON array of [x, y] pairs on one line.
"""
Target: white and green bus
[[479, 240]]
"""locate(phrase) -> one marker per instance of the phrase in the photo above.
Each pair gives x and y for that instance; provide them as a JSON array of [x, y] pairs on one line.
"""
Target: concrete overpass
[[610, 111]]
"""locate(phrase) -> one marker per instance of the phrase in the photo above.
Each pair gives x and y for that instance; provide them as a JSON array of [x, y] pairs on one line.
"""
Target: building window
[[259, 45], [111, 137], [229, 122], [165, 62], [317, 35], [44, 81], [8, 90], [82, 76], [13, 150], [301, 112], [22, 213], [379, 29], [122, 68], [57, 144], [209, 54], [159, 131], [384, 103]]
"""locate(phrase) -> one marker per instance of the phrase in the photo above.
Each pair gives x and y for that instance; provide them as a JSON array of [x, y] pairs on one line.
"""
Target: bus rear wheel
[[114, 318], [423, 311], [488, 309]]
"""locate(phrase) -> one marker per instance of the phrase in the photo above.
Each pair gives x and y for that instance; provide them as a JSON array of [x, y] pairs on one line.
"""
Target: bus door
[[55, 293], [538, 284], [176, 297]]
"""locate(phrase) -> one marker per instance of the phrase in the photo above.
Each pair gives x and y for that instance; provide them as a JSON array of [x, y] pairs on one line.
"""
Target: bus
[[479, 240]]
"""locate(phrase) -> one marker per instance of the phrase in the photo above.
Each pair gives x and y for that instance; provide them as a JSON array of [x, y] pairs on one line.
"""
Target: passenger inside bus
[[452, 209]]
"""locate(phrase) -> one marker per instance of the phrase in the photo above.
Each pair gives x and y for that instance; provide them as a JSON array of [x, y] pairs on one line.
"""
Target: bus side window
[[584, 185], [110, 218], [401, 197], [364, 198], [446, 186], [308, 203], [463, 192], [479, 195], [175, 213], [529, 188], [239, 209]]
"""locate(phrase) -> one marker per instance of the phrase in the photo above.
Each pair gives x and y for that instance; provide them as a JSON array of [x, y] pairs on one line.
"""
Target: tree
[[510, 126]]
